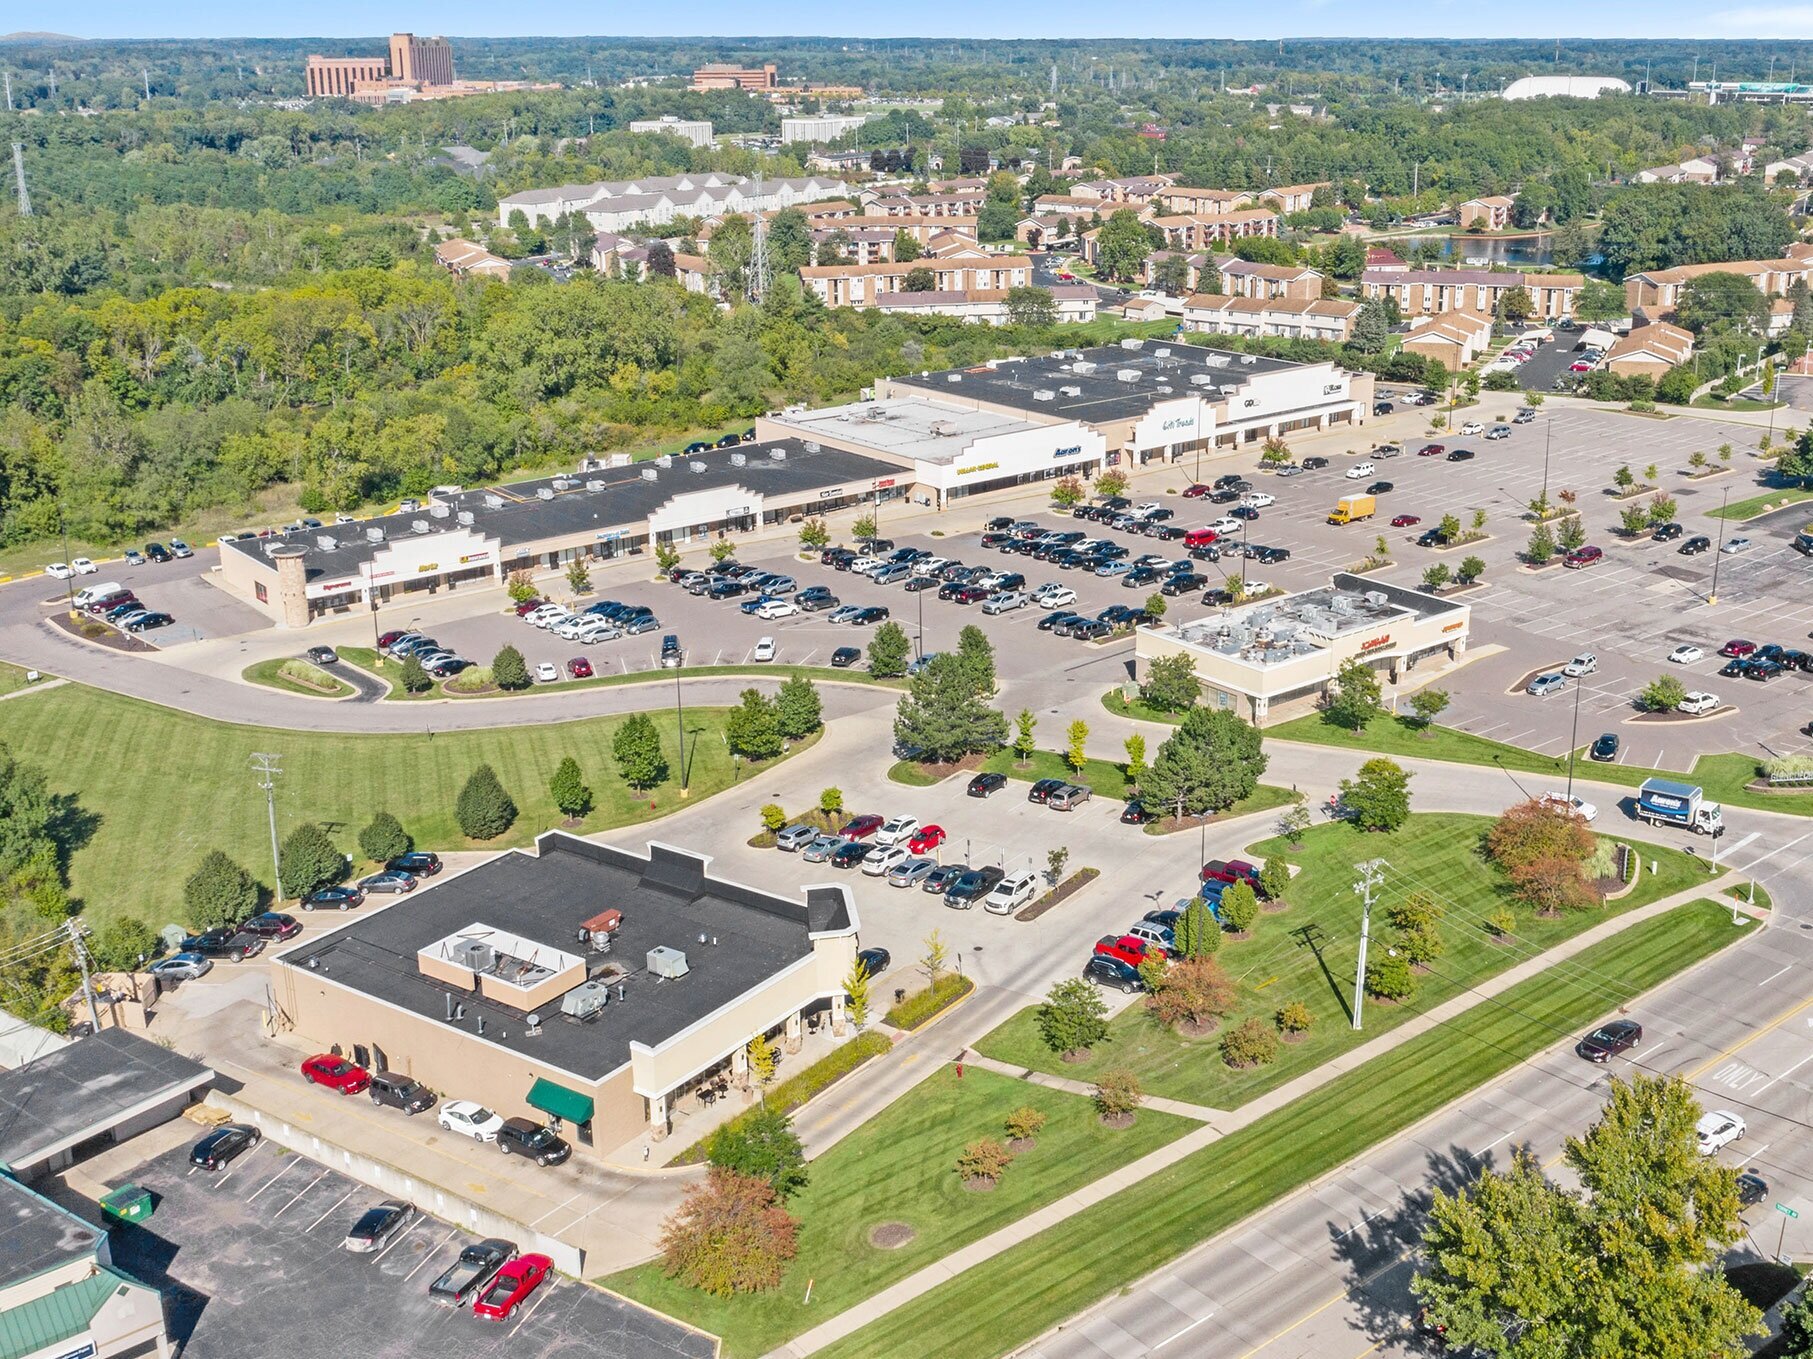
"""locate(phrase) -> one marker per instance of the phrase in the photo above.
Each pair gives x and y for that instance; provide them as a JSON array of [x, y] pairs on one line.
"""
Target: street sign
[[1785, 1210]]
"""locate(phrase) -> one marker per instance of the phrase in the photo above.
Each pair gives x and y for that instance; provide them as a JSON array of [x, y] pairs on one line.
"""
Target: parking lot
[[199, 609], [252, 1262]]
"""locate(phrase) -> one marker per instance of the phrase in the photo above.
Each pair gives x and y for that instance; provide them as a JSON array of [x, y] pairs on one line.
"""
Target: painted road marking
[[1737, 1076], [299, 1193], [429, 1254], [1784, 1076], [288, 1167], [323, 1218], [1773, 975], [1179, 1335]]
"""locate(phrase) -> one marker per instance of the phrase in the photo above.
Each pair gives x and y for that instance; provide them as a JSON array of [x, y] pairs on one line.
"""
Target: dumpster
[[128, 1203]]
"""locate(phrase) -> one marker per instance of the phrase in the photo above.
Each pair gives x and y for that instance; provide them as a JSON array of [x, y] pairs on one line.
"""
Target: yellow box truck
[[1351, 509]]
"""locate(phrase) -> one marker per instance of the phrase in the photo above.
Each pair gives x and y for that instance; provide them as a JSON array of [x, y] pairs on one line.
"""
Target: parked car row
[[439, 661], [399, 876]]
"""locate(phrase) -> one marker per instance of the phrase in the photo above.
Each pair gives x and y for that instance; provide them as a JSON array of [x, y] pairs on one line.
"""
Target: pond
[[1535, 251]]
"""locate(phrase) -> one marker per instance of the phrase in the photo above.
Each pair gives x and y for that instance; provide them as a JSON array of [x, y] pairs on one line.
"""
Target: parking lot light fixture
[[1718, 552], [680, 723], [1573, 744]]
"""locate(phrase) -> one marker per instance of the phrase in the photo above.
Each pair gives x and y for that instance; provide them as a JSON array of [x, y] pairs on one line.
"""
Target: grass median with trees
[[900, 1167], [1005, 1302], [1437, 854]]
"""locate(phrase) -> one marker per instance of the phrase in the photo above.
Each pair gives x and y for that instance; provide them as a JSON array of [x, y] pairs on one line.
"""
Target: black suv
[[671, 655], [1667, 533], [1043, 789], [401, 1092], [520, 1137], [226, 941], [1694, 546], [418, 863], [974, 885]]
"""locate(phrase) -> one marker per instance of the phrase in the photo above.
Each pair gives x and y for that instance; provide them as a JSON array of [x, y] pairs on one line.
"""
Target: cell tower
[[19, 178], [757, 282]]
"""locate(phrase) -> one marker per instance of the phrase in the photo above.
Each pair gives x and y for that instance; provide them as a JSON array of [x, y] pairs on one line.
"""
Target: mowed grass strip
[[1009, 1300], [901, 1167], [1437, 853], [154, 790], [1722, 776]]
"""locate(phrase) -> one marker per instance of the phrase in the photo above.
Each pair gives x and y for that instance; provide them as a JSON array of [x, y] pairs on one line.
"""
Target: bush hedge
[[919, 1007], [796, 1090]]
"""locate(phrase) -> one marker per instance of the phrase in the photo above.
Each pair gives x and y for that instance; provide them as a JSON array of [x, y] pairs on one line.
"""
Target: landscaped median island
[[1437, 855], [1726, 778], [1007, 1301], [296, 677], [901, 1168]]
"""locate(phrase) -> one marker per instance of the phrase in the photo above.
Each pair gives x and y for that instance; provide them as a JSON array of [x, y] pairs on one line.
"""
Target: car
[[376, 1226], [272, 925], [333, 899], [1432, 538], [1196, 491], [1719, 1128], [224, 941], [1005, 602], [1090, 630], [540, 1143], [1735, 669], [940, 879], [400, 1092], [1244, 512], [579, 668], [795, 837], [1583, 664], [1359, 471], [1153, 934], [910, 872], [872, 614], [1315, 464], [971, 886], [1762, 670], [217, 1150], [874, 961], [822, 848], [470, 1119], [1667, 533], [1582, 557], [1498, 432], [1405, 520], [1697, 703], [389, 881], [1069, 797], [145, 622], [883, 859], [1379, 488], [986, 785], [848, 854], [1431, 450], [1738, 648], [764, 649], [926, 839], [444, 666], [1461, 455], [1259, 500], [322, 655], [336, 1073], [1126, 949], [1605, 749], [1544, 685], [1685, 655], [1525, 415], [1105, 970], [1011, 893], [1580, 366], [1735, 545], [181, 967], [546, 672], [1610, 1040], [862, 827], [1053, 596], [1585, 810], [1230, 871], [134, 557], [82, 566], [1694, 546], [511, 1287], [59, 571], [1752, 1189], [1042, 790], [646, 622], [1136, 814], [1472, 427]]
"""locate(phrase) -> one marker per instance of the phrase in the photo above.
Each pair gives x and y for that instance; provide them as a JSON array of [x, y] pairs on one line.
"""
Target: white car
[[570, 628], [1720, 1128], [1686, 655], [1698, 702], [1259, 500], [1583, 664], [764, 649], [1359, 470], [1053, 596], [1011, 893], [59, 570], [884, 859], [930, 566], [1735, 545], [471, 1118], [1149, 507], [863, 565], [897, 829], [770, 609], [1003, 602], [1578, 805], [547, 672], [82, 566], [1226, 525], [546, 615], [1472, 427]]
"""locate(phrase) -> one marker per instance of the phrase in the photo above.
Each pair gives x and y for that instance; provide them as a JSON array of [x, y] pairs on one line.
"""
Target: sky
[[940, 18]]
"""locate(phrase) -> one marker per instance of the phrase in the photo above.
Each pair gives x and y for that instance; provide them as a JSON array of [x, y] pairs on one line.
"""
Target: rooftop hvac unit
[[1084, 366], [618, 460], [1163, 353], [665, 460], [494, 502], [544, 492], [326, 542], [1218, 360], [1247, 360], [668, 963], [1127, 375], [696, 465], [953, 378], [467, 518], [439, 511], [418, 526], [1133, 344], [585, 1000], [374, 535], [780, 454], [563, 483], [1377, 598], [1044, 394], [475, 954], [1200, 380], [810, 445], [650, 474], [739, 460], [1164, 387], [595, 484]]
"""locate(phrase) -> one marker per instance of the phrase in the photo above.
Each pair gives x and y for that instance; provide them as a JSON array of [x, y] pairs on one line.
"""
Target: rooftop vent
[[1127, 375], [1044, 394], [665, 460], [494, 502], [650, 474], [696, 465], [739, 460], [1133, 344], [1163, 353], [953, 378], [810, 445], [564, 483], [467, 518], [1377, 598], [668, 963], [439, 511], [780, 454], [374, 535], [544, 492], [595, 484], [1083, 366], [1200, 380], [418, 526], [326, 542], [1248, 360]]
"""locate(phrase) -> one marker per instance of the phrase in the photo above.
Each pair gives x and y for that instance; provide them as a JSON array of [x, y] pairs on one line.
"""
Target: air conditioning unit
[[585, 1000], [1127, 375], [374, 535], [418, 526], [326, 542], [738, 460], [467, 518], [810, 445], [544, 492], [1044, 394], [668, 963], [696, 465], [1133, 344], [1248, 360], [953, 378], [1164, 353], [1072, 390], [440, 511], [665, 460], [494, 502], [780, 454], [650, 474], [594, 485], [563, 484]]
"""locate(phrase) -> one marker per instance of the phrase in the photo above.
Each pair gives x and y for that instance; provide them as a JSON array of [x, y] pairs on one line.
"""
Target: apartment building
[[924, 229], [1289, 198], [1247, 278], [618, 205], [1453, 339], [1137, 190], [724, 76], [1658, 291], [1650, 350], [1291, 318], [1196, 231], [1428, 292], [1204, 202], [862, 285], [1492, 213], [695, 131], [965, 204], [988, 306]]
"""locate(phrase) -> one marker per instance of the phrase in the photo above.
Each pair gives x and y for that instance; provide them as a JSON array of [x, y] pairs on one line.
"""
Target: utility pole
[[75, 942], [1372, 874], [266, 768], [1712, 596], [19, 178]]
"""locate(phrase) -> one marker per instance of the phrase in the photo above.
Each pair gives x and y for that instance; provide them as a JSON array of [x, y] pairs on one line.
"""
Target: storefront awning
[[559, 1101]]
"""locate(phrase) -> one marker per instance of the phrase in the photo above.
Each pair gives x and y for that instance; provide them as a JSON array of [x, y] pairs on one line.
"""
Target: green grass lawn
[[900, 1167], [1756, 504], [1722, 776], [12, 678], [271, 675], [1433, 853], [153, 790], [1006, 1302], [1105, 778]]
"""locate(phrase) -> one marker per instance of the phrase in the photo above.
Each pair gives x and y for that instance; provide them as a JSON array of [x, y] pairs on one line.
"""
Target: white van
[[1360, 469], [89, 593]]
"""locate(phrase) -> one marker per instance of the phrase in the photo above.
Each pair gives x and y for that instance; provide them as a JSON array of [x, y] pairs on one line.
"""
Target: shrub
[[415, 680], [774, 816], [728, 1236], [1118, 1094], [922, 1004], [1024, 1123], [219, 892], [123, 943], [484, 810], [1501, 922], [1662, 694], [985, 1159], [667, 557], [1239, 907], [765, 1146], [384, 838], [831, 801], [1532, 830], [1553, 885], [1275, 877], [1389, 977], [1249, 1044], [309, 861], [1295, 1017], [509, 670], [1194, 991], [1074, 1018]]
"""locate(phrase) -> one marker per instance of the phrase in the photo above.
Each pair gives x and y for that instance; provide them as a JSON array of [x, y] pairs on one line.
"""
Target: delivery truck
[[1351, 509], [1662, 802]]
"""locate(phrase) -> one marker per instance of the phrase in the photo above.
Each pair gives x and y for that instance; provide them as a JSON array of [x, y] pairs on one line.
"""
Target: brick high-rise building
[[413, 61], [428, 61], [722, 76], [330, 77]]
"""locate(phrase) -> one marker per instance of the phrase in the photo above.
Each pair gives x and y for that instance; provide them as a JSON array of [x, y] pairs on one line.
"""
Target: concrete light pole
[[1372, 874]]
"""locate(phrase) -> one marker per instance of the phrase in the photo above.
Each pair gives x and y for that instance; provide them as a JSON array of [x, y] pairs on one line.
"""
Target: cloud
[[1763, 21]]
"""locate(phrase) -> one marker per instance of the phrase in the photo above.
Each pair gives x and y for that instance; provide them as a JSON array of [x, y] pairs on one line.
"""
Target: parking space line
[[398, 1239], [299, 1193], [323, 1218], [287, 1168], [547, 1291], [430, 1253]]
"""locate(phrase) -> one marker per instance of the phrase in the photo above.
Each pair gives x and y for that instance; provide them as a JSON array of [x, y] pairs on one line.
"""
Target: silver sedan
[[821, 849], [911, 873]]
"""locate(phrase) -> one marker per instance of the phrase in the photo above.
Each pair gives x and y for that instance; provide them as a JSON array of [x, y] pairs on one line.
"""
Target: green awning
[[559, 1101]]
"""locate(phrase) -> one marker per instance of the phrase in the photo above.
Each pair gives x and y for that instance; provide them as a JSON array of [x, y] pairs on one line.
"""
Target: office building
[[696, 131]]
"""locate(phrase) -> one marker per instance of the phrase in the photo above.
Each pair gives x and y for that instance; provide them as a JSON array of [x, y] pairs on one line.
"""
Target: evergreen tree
[[1213, 760], [384, 839], [1371, 328], [568, 790], [509, 670], [309, 861], [415, 679], [977, 656], [943, 716], [484, 810]]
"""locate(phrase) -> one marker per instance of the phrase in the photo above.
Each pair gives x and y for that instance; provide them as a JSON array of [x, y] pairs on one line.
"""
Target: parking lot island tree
[[1471, 568], [1155, 606], [1427, 705], [1663, 694], [864, 527], [774, 816], [1055, 861], [1516, 1266], [1213, 760], [309, 861], [856, 987], [935, 961], [1135, 746], [722, 550], [798, 709], [667, 557], [1192, 995], [415, 678], [1377, 798], [1072, 1019], [384, 838], [814, 536], [579, 576], [1076, 754], [943, 717], [569, 791], [1571, 533], [762, 1144], [831, 800], [1112, 482], [1449, 528], [1067, 493], [521, 587], [484, 810], [888, 651], [1171, 684], [220, 892], [1357, 696], [508, 669], [1662, 509], [1624, 479], [1540, 550], [977, 656], [729, 1236], [752, 729], [1239, 909], [1274, 878], [1197, 933], [1434, 577], [636, 747], [1026, 724]]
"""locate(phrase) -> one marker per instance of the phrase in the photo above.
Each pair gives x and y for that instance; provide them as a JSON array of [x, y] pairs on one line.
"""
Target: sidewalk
[[1222, 1124]]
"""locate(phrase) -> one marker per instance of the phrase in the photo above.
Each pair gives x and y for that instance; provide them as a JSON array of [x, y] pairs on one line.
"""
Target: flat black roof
[[70, 1095], [1102, 397], [37, 1235], [609, 499], [667, 899]]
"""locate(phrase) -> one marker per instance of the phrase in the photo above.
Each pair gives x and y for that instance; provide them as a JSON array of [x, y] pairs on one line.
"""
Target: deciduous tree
[[943, 716], [752, 729], [763, 1145], [1194, 992], [1171, 685], [728, 1236], [568, 789], [636, 747], [798, 710], [1357, 696], [888, 651], [1378, 798], [220, 892], [1073, 1018]]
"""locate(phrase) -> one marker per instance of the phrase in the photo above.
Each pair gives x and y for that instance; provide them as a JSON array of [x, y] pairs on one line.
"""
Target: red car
[[579, 668], [927, 839], [336, 1073], [1737, 649], [529, 606], [1126, 949], [861, 828], [1431, 450], [512, 1286], [1582, 557], [1230, 870], [1196, 492], [1405, 520], [385, 639]]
